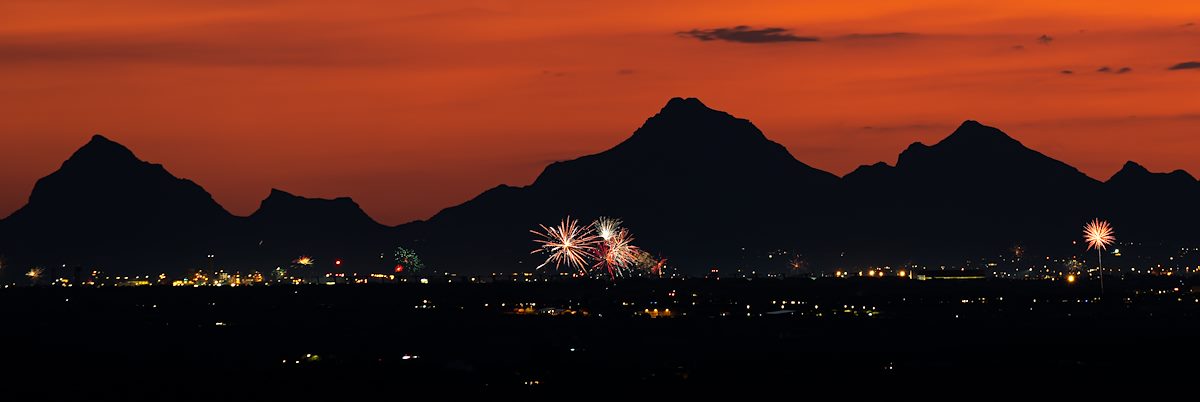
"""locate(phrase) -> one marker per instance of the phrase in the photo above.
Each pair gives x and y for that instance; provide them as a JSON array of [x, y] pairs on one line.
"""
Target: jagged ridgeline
[[698, 186]]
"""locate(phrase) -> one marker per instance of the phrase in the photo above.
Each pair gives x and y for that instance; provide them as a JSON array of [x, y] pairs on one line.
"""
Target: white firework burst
[[607, 227], [567, 244]]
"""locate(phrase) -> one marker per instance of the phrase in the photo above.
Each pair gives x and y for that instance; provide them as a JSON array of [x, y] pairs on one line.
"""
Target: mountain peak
[[1134, 167], [972, 133], [688, 133], [1132, 171], [281, 196], [869, 173], [975, 153], [101, 150], [970, 138], [678, 104], [1180, 173], [282, 206]]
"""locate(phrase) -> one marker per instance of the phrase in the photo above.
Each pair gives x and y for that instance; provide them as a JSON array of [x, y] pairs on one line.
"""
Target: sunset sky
[[410, 107]]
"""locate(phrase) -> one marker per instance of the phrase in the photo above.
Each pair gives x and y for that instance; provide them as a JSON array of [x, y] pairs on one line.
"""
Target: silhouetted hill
[[104, 206], [694, 183], [286, 212], [286, 226], [106, 209], [977, 191], [1152, 206]]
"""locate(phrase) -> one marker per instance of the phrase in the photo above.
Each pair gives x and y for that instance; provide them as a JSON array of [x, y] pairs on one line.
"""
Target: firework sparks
[[34, 274], [1098, 234], [567, 244], [305, 260], [408, 261], [607, 227], [603, 248], [617, 253]]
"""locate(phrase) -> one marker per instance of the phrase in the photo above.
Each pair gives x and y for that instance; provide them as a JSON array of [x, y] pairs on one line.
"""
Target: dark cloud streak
[[1107, 69], [746, 34], [1187, 65]]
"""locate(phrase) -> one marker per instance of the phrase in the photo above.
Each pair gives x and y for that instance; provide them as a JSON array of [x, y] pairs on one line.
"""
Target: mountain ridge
[[699, 185]]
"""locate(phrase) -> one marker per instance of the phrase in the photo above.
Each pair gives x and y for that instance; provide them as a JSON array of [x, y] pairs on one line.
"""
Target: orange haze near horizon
[[410, 107]]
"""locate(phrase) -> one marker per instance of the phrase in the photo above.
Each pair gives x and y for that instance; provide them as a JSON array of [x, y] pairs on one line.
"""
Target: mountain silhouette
[[974, 192], [286, 226], [287, 212], [695, 185], [106, 207], [1152, 206]]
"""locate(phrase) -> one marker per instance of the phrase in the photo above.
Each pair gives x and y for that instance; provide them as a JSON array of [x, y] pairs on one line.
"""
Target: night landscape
[[711, 196]]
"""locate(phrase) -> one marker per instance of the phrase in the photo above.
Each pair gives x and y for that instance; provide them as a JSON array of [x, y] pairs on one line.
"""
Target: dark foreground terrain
[[351, 342]]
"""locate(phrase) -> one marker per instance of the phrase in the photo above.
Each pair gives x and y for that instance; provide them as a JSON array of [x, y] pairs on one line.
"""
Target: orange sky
[[410, 108]]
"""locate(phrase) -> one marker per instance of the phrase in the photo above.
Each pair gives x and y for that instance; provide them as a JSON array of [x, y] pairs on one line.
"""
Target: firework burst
[[602, 248], [567, 244], [1098, 234], [34, 274], [607, 227], [616, 254], [407, 261]]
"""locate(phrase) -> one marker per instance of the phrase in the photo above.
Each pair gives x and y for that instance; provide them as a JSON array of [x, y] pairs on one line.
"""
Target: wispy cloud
[[747, 34], [242, 43], [881, 35]]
